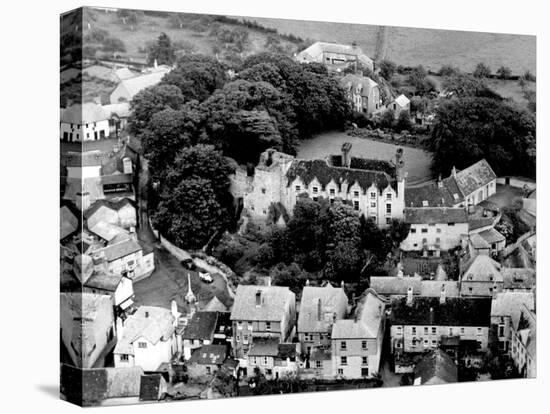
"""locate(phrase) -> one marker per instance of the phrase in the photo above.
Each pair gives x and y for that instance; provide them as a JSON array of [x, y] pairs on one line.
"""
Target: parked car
[[206, 277]]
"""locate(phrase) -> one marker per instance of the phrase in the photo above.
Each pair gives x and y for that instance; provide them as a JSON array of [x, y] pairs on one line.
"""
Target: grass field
[[417, 161], [429, 47]]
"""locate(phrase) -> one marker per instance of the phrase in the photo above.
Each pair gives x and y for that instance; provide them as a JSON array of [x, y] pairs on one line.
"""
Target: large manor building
[[373, 187]]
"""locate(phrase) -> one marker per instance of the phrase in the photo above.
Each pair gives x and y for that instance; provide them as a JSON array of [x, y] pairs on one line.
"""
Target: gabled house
[[121, 213], [436, 367], [261, 311], [206, 360], [518, 279], [320, 308], [84, 122], [524, 342], [273, 359], [400, 104], [147, 338], [87, 327], [397, 287], [335, 56], [481, 277], [505, 308], [199, 331], [357, 343], [363, 93]]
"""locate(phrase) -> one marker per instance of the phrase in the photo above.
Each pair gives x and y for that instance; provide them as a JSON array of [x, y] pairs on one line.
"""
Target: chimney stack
[[443, 295], [453, 172], [439, 182], [346, 158], [410, 295]]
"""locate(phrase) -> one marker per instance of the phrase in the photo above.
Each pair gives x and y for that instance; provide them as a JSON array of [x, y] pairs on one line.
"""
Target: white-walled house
[[147, 338], [400, 104], [335, 56], [524, 342], [84, 122], [435, 228], [374, 188], [363, 93], [87, 326], [506, 307]]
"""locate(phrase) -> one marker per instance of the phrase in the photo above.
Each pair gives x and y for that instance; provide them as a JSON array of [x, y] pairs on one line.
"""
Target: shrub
[[504, 72], [482, 71], [448, 70], [387, 69]]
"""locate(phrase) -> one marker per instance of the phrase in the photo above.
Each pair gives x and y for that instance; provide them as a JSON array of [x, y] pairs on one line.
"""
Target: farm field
[[417, 161], [430, 47]]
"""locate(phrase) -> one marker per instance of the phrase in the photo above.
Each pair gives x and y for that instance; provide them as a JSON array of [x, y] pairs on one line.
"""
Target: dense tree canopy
[[163, 52], [469, 129]]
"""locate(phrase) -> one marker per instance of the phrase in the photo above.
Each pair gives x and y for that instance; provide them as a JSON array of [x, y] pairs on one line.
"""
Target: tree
[[482, 71], [387, 69], [162, 51], [387, 118], [197, 76], [464, 85], [448, 70], [504, 72], [403, 121], [150, 101], [291, 276], [469, 129]]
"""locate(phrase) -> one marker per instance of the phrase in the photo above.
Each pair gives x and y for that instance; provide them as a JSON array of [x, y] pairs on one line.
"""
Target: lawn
[[417, 161]]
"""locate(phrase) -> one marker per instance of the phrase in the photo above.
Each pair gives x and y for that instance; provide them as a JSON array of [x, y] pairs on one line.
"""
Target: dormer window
[[372, 195], [388, 196], [356, 193], [315, 190], [297, 188], [332, 191]]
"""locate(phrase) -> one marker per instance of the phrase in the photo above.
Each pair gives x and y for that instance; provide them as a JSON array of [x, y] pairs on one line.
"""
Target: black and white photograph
[[278, 208]]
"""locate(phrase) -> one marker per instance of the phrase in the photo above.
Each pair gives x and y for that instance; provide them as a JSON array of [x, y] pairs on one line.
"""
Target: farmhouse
[[374, 188], [335, 56], [362, 92], [84, 122]]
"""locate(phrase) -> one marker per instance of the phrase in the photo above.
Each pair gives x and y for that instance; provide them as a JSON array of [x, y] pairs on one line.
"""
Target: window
[[332, 192], [373, 205], [318, 364], [343, 345], [331, 201], [124, 357], [315, 198], [451, 224], [388, 208], [263, 190], [142, 345], [356, 194], [297, 188], [250, 325], [438, 230], [356, 204], [208, 370], [470, 290], [344, 360], [424, 230], [434, 342], [501, 330], [365, 361], [245, 339], [388, 196], [437, 240], [238, 338], [372, 195], [268, 326], [264, 360], [340, 371], [462, 331], [414, 330], [363, 344], [388, 220], [426, 342], [240, 325], [413, 230], [315, 190], [434, 330], [253, 360], [479, 331], [425, 330]]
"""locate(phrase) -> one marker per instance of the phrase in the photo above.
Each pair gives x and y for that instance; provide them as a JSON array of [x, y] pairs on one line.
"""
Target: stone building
[[362, 92], [335, 56], [373, 187]]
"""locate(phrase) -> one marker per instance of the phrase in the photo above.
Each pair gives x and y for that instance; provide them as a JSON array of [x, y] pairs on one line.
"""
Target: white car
[[205, 277]]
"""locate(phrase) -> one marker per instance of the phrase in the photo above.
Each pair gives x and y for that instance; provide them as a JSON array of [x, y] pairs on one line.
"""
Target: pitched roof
[[318, 48], [150, 387], [479, 242], [274, 303], [271, 347], [209, 355], [356, 83], [108, 231], [435, 215], [402, 100], [433, 288], [431, 194], [492, 236], [133, 86], [103, 280], [510, 303], [215, 305], [369, 316], [518, 277], [121, 109], [201, 326], [307, 170], [92, 158], [482, 268], [123, 382], [454, 312], [475, 177], [121, 249], [333, 301], [395, 285], [86, 113], [150, 322], [68, 222], [436, 364], [525, 324]]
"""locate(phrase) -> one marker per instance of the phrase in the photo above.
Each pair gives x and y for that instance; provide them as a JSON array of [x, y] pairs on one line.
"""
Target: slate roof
[[132, 86], [492, 236], [394, 285], [436, 364], [518, 277], [334, 303], [479, 242], [369, 316], [482, 268], [201, 326], [447, 195], [525, 324], [86, 113], [435, 215], [150, 322], [103, 280], [510, 303], [356, 83], [108, 231], [209, 355], [476, 223], [92, 158], [275, 301], [215, 305], [454, 312], [432, 288], [121, 109], [318, 48], [68, 222], [320, 354], [264, 347], [121, 249], [474, 177], [402, 100], [150, 386], [307, 170]]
